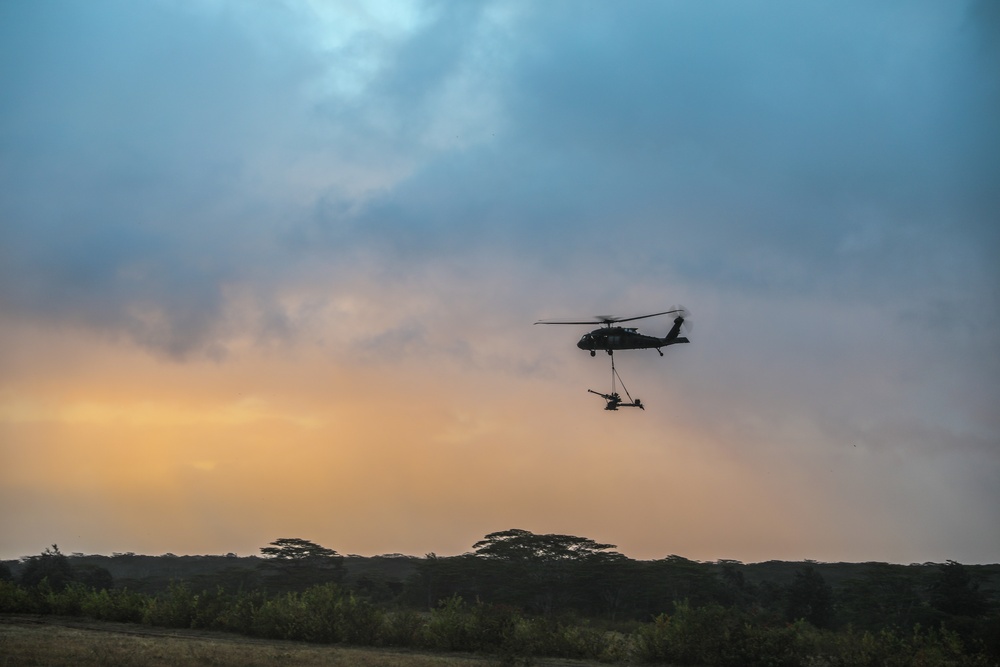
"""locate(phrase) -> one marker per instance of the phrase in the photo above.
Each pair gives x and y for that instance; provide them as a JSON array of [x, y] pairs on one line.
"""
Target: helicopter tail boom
[[673, 336]]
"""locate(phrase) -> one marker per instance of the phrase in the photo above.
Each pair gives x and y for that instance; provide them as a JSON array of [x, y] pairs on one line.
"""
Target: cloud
[[391, 194], [214, 145]]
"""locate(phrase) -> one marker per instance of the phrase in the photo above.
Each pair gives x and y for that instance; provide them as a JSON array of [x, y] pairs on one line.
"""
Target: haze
[[270, 270]]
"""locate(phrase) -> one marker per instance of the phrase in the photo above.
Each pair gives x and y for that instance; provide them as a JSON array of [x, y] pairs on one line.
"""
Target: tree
[[51, 566], [297, 549], [668, 581], [545, 572], [294, 563], [521, 545], [884, 596], [954, 592], [811, 598], [734, 589], [94, 576]]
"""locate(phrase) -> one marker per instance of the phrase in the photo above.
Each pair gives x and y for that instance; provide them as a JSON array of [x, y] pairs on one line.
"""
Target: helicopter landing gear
[[593, 353]]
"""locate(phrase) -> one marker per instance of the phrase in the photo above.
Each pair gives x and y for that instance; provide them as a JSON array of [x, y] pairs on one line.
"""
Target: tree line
[[519, 593]]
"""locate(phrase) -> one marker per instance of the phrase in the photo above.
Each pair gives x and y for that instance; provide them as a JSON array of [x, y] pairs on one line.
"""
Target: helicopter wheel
[[593, 353]]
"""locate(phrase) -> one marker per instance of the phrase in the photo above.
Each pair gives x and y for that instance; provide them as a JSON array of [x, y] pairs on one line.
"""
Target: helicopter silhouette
[[610, 337]]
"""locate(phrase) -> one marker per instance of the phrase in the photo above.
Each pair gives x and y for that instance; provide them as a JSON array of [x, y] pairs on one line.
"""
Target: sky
[[270, 269]]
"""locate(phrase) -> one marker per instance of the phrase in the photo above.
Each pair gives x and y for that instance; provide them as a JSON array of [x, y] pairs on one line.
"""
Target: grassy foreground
[[26, 643]]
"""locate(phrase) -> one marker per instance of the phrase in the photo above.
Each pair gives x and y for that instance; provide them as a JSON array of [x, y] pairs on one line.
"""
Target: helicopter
[[611, 337]]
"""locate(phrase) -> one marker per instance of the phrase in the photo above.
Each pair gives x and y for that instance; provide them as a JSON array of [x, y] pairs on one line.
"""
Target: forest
[[521, 596]]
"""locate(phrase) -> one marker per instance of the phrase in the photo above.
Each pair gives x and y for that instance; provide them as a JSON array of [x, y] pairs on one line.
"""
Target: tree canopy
[[954, 591], [516, 545], [297, 549], [292, 563], [51, 566]]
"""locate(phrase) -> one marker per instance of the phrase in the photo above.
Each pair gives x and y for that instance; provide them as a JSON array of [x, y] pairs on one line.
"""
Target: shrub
[[403, 628], [209, 609], [321, 613], [714, 635], [448, 628], [323, 617], [362, 622], [281, 618], [490, 626], [887, 648], [15, 599], [238, 615], [120, 605], [67, 602], [174, 609]]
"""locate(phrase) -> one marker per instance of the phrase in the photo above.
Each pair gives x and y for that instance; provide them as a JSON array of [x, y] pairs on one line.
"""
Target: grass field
[[55, 642]]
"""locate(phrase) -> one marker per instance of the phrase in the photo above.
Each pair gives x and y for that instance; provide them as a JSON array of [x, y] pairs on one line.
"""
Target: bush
[[175, 609], [239, 614], [120, 605], [67, 602], [403, 628], [323, 617], [886, 648], [707, 635], [714, 635], [283, 617], [362, 622], [448, 628], [322, 613], [209, 610], [491, 627], [15, 599]]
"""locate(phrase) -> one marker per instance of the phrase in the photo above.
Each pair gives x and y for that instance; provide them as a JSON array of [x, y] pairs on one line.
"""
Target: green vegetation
[[520, 597]]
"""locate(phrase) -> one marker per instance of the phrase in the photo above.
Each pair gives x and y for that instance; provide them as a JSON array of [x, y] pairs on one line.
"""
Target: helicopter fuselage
[[617, 338], [610, 339]]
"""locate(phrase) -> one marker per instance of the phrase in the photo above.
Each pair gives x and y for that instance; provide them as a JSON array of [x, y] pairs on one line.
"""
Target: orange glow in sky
[[271, 270]]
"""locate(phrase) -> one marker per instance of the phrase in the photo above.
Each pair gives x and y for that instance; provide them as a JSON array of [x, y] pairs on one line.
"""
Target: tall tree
[[295, 563], [545, 572], [50, 566], [521, 545], [298, 550]]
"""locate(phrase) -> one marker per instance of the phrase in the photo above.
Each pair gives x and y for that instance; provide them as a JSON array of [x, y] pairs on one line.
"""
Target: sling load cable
[[614, 374]]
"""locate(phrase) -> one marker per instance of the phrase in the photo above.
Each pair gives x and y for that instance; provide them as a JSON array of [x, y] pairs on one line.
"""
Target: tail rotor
[[686, 325]]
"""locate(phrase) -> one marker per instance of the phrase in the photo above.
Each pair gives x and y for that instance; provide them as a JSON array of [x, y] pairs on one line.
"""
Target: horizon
[[273, 268], [613, 548]]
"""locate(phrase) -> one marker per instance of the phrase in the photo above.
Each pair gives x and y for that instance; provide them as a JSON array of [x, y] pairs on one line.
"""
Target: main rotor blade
[[642, 317], [609, 319], [569, 322]]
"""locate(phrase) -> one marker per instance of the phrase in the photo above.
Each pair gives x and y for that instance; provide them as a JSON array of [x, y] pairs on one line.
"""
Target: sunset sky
[[269, 269]]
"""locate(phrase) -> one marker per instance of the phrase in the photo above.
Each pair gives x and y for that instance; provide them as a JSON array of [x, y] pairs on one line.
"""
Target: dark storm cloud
[[126, 133], [841, 151]]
